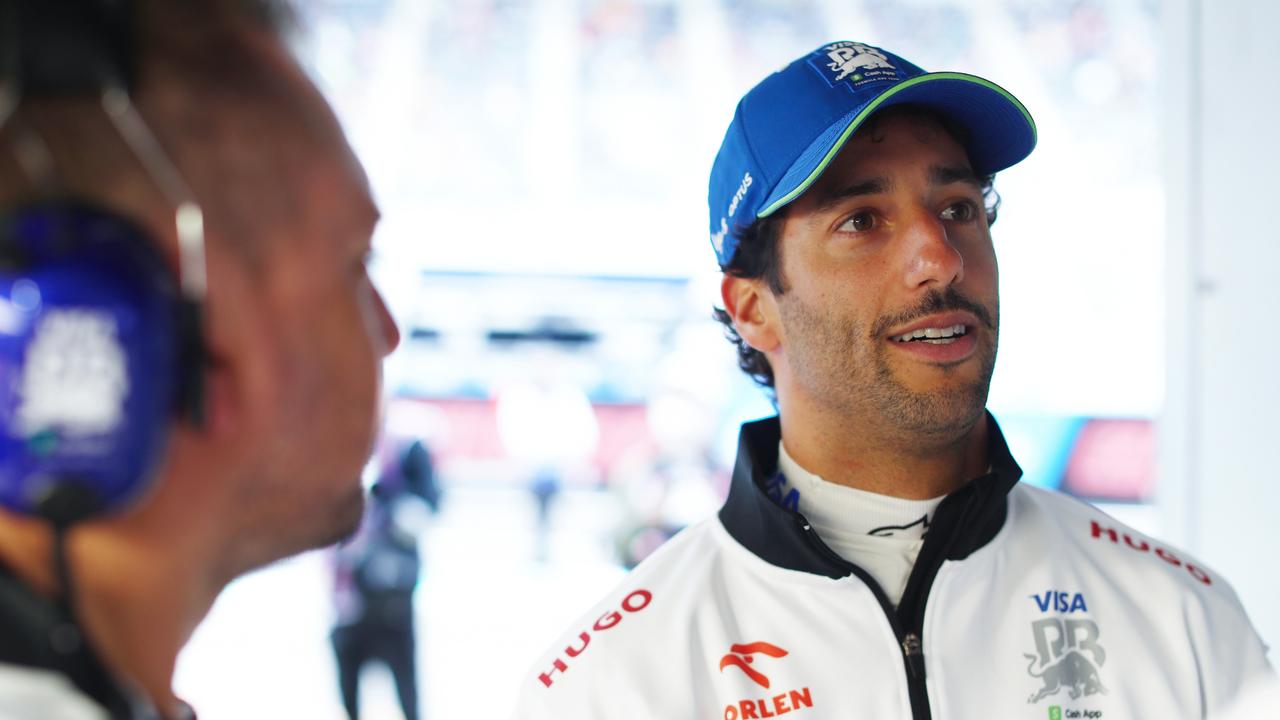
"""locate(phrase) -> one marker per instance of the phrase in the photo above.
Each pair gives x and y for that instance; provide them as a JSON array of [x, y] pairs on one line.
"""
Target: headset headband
[[81, 47]]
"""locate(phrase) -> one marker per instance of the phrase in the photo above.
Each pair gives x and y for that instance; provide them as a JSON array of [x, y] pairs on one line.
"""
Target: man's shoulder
[[620, 645], [1072, 531], [1155, 600]]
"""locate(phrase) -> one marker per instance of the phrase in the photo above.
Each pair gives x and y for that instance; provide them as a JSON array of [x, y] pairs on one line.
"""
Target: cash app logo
[[1055, 712]]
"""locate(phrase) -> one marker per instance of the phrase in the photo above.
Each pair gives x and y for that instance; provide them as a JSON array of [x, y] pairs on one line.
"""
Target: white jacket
[[32, 694], [1023, 604]]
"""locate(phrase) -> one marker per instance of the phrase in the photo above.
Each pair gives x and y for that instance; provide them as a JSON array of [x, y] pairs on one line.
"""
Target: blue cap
[[787, 129]]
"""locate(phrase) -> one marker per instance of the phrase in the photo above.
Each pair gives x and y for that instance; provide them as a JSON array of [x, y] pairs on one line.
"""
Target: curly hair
[[757, 257]]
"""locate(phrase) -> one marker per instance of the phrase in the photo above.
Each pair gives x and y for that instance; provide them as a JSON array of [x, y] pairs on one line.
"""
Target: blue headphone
[[101, 344]]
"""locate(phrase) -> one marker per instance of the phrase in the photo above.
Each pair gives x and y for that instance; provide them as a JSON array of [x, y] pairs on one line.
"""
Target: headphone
[[101, 344]]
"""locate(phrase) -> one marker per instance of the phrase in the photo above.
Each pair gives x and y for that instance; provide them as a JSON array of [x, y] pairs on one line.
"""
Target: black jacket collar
[[757, 516]]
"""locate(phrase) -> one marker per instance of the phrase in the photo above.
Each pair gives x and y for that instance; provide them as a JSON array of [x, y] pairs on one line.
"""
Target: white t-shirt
[[879, 533]]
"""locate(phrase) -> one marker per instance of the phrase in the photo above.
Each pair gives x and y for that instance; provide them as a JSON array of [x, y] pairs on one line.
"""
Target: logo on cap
[[717, 237], [857, 62]]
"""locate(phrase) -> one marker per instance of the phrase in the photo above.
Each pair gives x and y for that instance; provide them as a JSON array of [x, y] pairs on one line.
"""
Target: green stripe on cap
[[875, 105]]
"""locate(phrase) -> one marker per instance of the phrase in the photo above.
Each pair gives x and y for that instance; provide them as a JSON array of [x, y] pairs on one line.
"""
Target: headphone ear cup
[[89, 360]]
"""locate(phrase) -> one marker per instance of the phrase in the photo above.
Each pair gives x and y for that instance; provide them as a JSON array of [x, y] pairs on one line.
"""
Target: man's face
[[889, 244], [329, 327]]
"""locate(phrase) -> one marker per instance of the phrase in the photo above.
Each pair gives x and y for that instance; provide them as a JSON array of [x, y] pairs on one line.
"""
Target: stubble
[[845, 366]]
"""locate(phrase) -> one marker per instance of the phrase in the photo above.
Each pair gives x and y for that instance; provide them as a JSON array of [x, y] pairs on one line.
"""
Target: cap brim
[[1001, 131]]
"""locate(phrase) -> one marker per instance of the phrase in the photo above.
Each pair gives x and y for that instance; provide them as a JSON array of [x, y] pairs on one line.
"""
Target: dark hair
[[757, 257], [197, 66]]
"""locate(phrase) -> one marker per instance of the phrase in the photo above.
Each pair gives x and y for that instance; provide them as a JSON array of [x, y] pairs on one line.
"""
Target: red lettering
[[1199, 574], [574, 652], [748, 709], [1098, 530], [800, 698], [613, 619], [645, 595], [780, 705], [558, 666], [730, 712], [1142, 546], [764, 709], [635, 602]]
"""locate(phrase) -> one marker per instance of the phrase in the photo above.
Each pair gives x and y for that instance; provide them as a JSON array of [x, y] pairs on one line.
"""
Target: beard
[[845, 366]]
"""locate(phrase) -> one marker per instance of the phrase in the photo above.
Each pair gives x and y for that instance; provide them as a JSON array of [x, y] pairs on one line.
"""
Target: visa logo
[[1061, 602]]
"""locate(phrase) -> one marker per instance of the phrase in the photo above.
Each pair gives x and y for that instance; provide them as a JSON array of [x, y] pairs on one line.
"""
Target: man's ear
[[751, 305], [238, 380], [241, 392]]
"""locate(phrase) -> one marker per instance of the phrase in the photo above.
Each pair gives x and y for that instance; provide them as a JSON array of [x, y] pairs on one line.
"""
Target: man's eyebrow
[[870, 186], [948, 174]]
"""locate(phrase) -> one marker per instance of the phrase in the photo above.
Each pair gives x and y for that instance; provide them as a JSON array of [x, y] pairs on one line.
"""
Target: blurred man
[[294, 335], [876, 556], [376, 573]]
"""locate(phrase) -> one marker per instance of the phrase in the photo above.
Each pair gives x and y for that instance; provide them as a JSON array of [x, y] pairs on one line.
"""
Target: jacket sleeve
[[530, 708], [1261, 699], [537, 703], [1230, 655]]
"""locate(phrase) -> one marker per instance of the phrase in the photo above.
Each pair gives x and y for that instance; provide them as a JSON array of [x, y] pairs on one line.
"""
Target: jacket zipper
[[910, 640]]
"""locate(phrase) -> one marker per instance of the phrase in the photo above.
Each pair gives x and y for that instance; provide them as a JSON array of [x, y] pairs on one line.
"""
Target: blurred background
[[541, 166]]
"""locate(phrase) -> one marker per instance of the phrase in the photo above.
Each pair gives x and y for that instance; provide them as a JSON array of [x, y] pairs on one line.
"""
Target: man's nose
[[931, 257]]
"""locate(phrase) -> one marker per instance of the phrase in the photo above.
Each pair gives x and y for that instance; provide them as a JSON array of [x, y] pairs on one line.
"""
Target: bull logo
[[1067, 656], [848, 59], [741, 657]]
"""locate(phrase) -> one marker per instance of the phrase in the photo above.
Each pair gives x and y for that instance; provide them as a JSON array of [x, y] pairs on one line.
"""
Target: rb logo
[[1067, 658]]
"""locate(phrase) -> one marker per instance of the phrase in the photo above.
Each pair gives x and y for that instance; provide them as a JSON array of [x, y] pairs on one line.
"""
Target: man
[[376, 573], [876, 557], [294, 335]]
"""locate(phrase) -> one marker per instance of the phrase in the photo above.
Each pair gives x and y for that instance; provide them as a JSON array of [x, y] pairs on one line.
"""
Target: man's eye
[[960, 212], [859, 222]]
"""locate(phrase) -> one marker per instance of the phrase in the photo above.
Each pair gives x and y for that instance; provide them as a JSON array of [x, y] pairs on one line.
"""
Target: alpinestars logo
[[1068, 655], [894, 530], [849, 58]]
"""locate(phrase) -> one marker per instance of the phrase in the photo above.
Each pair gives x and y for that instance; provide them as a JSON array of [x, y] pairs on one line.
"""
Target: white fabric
[[27, 694], [1161, 642], [1260, 700], [879, 533]]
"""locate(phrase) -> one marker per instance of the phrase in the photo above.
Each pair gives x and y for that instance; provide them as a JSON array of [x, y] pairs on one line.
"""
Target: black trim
[[964, 522]]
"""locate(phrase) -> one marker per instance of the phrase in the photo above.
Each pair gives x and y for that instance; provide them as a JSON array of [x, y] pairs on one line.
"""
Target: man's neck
[[858, 454], [136, 606]]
